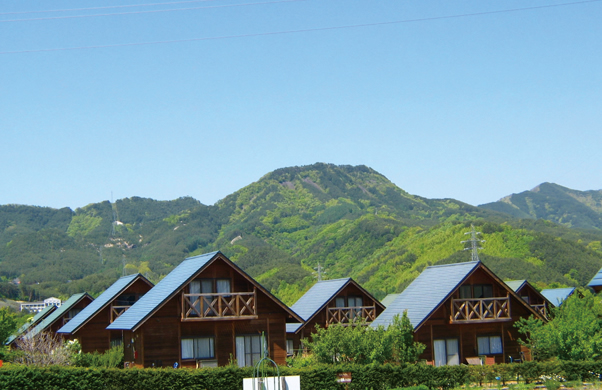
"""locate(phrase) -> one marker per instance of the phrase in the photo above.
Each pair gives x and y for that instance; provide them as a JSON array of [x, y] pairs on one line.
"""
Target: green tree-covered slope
[[577, 209], [350, 219]]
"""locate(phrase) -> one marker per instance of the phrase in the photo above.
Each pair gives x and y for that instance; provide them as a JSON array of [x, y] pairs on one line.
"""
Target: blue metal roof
[[58, 313], [426, 293], [557, 295], [389, 299], [164, 290], [515, 285], [35, 320], [99, 303], [596, 280], [318, 296]]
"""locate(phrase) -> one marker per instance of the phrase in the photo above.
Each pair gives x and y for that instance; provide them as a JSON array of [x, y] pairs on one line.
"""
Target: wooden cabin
[[461, 312], [89, 325], [529, 294], [338, 301], [207, 312], [60, 316]]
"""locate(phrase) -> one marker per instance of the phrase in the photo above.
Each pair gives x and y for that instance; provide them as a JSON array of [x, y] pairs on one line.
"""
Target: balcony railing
[[117, 310], [214, 306], [480, 309], [541, 309], [350, 315]]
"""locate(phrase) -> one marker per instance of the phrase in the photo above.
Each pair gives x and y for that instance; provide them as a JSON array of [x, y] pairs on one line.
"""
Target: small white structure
[[271, 383], [36, 307]]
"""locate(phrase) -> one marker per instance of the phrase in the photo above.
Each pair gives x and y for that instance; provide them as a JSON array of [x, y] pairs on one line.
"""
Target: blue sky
[[473, 107]]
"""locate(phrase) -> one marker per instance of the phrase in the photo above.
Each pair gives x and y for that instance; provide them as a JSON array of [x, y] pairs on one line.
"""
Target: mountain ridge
[[350, 219]]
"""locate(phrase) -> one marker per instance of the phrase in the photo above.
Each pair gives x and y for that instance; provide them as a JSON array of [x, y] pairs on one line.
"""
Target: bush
[[318, 377]]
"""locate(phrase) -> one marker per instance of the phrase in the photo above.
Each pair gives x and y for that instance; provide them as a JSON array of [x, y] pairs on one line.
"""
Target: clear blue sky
[[472, 107]]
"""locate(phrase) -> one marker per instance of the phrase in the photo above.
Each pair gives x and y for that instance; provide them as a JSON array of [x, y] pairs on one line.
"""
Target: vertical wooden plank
[[503, 343]]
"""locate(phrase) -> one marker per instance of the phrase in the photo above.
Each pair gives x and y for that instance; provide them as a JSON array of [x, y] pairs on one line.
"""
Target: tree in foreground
[[43, 349], [8, 324], [363, 344], [573, 333]]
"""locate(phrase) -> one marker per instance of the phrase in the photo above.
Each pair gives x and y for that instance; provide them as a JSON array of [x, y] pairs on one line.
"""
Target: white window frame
[[246, 357], [195, 347], [487, 343]]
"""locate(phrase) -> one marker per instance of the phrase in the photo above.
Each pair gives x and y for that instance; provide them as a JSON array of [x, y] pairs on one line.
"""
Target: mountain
[[572, 208], [349, 219]]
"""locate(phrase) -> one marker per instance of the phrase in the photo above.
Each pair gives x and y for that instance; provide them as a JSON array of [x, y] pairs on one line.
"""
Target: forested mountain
[[577, 209], [350, 219]]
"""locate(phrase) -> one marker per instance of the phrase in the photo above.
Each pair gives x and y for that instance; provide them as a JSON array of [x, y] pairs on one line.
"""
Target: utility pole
[[474, 243], [319, 271]]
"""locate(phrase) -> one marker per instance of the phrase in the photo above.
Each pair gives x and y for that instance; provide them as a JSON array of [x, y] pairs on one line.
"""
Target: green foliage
[[82, 225], [365, 345], [318, 376], [8, 323], [574, 333], [113, 358]]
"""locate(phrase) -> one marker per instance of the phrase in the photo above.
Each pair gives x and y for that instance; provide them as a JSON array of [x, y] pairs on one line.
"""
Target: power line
[[106, 7], [300, 30], [146, 12]]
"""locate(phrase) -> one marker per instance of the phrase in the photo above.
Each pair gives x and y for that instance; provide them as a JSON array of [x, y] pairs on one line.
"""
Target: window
[[116, 342], [483, 291], [446, 352], [489, 345], [248, 350], [466, 291], [207, 286], [340, 302], [198, 348], [525, 298], [289, 347]]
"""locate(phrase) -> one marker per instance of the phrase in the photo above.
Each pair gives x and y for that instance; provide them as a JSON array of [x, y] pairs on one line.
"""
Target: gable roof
[[596, 280], [317, 297], [105, 299], [58, 313], [557, 295], [171, 284], [35, 320], [516, 285], [426, 293]]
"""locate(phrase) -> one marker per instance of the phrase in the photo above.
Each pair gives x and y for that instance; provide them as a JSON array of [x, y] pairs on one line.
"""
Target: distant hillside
[[350, 219], [572, 208]]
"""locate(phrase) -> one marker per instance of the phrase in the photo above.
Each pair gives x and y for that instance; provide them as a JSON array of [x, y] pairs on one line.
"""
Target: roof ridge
[[454, 264]]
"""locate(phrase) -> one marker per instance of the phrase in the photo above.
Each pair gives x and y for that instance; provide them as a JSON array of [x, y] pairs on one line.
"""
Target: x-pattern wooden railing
[[117, 310], [213, 306], [480, 309], [350, 315], [541, 309]]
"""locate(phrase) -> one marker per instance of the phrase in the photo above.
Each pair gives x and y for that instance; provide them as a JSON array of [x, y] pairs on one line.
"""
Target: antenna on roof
[[319, 271], [474, 243]]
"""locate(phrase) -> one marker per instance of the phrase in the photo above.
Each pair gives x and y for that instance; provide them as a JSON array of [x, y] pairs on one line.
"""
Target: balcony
[[350, 315], [117, 310], [219, 306], [541, 309], [472, 310]]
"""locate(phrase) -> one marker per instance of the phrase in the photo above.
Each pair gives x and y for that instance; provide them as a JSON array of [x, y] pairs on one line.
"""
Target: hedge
[[319, 377]]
